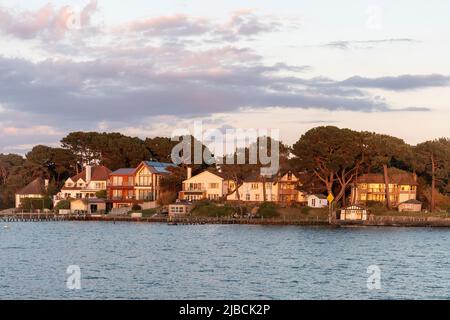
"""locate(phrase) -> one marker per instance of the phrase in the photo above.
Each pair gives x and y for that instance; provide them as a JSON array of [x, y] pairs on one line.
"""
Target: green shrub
[[148, 212], [62, 205], [268, 210], [208, 209], [102, 194]]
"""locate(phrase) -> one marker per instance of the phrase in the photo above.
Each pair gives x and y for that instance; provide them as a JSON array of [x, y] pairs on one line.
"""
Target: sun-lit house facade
[[85, 184], [205, 185], [252, 190], [289, 185], [283, 189], [372, 187], [141, 185]]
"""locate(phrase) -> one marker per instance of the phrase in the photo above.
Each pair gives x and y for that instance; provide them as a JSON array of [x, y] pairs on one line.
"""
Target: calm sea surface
[[157, 261]]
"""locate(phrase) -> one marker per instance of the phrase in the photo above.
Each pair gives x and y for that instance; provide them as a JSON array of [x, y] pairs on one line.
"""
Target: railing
[[123, 198], [119, 185], [143, 185]]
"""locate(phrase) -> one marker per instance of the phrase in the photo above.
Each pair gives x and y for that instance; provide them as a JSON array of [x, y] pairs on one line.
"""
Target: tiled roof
[[124, 171], [37, 186], [394, 178], [98, 173]]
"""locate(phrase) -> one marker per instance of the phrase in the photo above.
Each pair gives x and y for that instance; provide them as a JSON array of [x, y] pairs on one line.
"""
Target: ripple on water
[[151, 261]]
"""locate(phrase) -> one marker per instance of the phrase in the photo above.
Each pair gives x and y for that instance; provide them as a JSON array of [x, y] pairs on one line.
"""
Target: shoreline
[[373, 221]]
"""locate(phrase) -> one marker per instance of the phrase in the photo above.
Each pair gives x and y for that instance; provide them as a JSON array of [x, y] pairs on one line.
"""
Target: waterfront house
[[372, 187], [282, 189], [88, 205], [206, 185], [317, 201], [85, 184], [36, 189], [288, 186], [141, 185], [410, 206], [252, 190], [180, 208], [212, 185], [121, 190], [353, 212]]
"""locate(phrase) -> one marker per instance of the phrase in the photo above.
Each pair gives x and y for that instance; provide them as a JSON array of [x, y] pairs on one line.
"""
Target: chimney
[[46, 182], [415, 177], [189, 172], [88, 173]]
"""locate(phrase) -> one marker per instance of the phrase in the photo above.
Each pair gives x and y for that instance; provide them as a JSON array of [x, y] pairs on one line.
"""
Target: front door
[[94, 208]]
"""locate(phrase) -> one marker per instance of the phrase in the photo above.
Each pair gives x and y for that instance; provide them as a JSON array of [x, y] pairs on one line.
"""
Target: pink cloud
[[46, 22]]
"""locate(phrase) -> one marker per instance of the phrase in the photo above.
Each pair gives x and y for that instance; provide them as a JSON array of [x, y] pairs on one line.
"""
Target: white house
[[85, 184], [353, 212], [317, 201], [205, 185], [252, 190]]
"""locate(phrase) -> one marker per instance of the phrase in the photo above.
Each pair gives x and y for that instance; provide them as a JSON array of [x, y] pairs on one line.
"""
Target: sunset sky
[[145, 68]]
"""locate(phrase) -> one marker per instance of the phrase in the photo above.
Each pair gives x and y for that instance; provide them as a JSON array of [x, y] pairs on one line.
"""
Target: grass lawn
[[302, 213]]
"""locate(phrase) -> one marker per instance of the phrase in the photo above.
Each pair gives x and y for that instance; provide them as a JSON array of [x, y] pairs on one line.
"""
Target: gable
[[205, 175], [285, 178]]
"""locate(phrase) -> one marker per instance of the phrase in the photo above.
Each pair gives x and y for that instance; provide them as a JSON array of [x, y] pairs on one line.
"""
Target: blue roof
[[124, 171], [160, 167]]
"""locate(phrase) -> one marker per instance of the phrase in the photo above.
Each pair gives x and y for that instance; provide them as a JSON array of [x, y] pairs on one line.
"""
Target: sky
[[145, 68]]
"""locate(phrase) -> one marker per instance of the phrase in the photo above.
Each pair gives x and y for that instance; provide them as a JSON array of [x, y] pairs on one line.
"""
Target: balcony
[[144, 185], [194, 190], [123, 198], [123, 185]]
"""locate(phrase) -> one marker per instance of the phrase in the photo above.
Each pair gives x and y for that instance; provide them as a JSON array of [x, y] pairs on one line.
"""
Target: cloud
[[403, 82], [164, 70], [366, 44], [66, 91], [47, 22], [241, 24], [175, 25]]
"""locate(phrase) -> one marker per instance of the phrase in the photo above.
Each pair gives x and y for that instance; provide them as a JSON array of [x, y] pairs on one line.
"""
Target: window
[[214, 186], [117, 181], [99, 185], [313, 202], [255, 186], [247, 197], [256, 197], [289, 176], [117, 194], [145, 195]]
